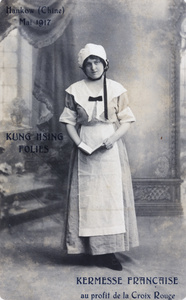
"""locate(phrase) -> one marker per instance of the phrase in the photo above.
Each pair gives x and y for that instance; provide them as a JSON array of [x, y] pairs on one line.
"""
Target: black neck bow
[[99, 98]]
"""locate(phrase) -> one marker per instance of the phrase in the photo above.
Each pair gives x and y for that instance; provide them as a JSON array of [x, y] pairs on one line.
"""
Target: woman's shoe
[[109, 261]]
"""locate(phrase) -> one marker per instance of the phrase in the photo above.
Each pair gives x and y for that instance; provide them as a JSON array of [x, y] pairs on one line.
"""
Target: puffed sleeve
[[69, 114], [124, 113]]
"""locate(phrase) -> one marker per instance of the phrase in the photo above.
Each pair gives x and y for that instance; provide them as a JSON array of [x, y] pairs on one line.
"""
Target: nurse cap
[[91, 49]]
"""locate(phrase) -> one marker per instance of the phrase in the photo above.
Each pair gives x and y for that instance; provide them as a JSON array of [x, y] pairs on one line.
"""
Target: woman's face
[[94, 68]]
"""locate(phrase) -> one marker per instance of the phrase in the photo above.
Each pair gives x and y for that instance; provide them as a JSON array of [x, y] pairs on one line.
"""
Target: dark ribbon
[[99, 98], [105, 97]]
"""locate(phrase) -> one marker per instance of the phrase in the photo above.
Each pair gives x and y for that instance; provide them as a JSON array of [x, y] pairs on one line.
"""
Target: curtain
[[6, 21], [52, 76], [45, 24], [41, 22]]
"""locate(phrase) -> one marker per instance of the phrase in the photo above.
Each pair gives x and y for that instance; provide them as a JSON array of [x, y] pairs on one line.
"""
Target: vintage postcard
[[92, 149]]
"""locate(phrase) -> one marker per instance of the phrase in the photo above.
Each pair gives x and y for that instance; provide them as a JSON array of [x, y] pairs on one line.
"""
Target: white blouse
[[78, 110]]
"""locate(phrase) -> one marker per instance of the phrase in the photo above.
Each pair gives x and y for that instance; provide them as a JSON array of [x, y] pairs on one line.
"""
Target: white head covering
[[91, 49]]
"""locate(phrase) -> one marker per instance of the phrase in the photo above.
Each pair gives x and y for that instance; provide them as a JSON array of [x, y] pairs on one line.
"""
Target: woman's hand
[[109, 142]]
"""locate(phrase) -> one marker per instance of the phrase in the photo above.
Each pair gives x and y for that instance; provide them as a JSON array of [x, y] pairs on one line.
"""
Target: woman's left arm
[[125, 117], [109, 142]]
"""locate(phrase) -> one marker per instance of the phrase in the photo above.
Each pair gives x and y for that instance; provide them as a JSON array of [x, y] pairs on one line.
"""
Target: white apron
[[101, 210]]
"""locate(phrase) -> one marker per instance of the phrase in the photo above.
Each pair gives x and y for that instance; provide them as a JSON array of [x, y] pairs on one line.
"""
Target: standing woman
[[101, 216]]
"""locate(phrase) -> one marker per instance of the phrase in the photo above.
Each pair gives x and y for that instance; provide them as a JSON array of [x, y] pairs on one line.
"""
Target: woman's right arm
[[69, 116], [72, 132]]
